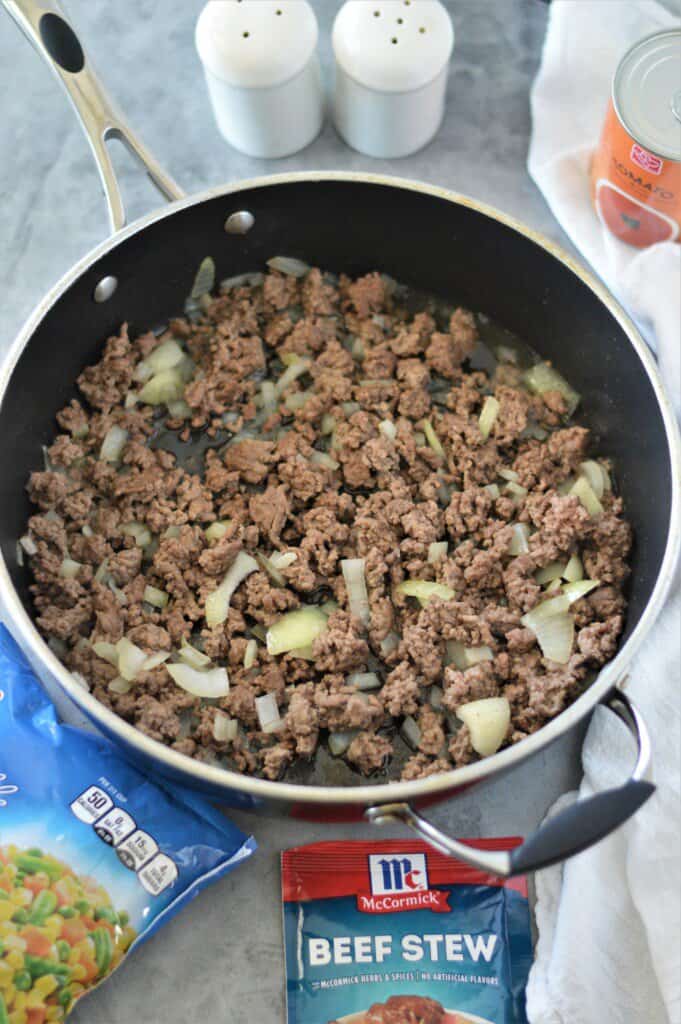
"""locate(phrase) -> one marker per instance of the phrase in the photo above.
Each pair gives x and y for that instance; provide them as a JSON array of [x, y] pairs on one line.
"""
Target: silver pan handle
[[575, 829], [48, 30]]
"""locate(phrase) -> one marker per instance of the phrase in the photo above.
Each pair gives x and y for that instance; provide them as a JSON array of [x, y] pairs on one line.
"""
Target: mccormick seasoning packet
[[396, 933], [94, 857]]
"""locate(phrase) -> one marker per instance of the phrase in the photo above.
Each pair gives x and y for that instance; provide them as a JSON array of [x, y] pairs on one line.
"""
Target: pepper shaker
[[392, 59], [262, 70]]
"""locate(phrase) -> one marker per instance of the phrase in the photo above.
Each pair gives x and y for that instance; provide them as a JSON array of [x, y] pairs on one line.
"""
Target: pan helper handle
[[581, 825], [48, 30]]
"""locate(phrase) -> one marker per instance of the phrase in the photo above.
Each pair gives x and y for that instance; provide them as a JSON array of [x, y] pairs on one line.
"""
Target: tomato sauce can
[[636, 170]]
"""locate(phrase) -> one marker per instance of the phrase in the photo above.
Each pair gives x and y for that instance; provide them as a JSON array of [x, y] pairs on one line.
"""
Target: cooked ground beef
[[371, 448]]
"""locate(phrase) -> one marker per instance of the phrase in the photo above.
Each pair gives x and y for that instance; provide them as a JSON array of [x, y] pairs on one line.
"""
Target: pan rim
[[262, 790]]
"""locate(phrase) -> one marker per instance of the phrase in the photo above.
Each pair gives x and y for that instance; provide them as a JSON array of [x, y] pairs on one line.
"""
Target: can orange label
[[637, 194]]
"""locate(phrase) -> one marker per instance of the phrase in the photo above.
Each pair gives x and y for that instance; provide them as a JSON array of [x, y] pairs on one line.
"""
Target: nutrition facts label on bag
[[136, 849]]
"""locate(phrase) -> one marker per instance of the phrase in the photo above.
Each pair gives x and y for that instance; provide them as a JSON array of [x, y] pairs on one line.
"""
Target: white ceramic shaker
[[262, 69], [392, 59]]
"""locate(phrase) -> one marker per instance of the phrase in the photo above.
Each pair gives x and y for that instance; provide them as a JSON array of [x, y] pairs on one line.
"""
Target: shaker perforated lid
[[256, 43], [393, 45]]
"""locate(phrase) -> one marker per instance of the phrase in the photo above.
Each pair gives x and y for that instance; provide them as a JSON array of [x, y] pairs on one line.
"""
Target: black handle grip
[[61, 42], [579, 826]]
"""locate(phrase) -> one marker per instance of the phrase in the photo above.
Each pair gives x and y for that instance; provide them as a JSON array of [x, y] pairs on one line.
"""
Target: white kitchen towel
[[609, 922]]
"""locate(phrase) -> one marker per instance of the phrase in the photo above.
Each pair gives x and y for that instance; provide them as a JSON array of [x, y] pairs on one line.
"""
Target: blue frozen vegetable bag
[[93, 856]]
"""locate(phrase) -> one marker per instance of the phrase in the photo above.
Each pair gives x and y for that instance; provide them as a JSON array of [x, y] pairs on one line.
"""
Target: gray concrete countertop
[[221, 960]]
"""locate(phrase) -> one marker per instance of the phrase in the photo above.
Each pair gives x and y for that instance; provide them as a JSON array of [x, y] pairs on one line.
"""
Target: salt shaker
[[262, 70], [392, 58]]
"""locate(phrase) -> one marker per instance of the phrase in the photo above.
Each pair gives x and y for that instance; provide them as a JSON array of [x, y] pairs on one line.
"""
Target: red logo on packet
[[648, 161], [399, 882]]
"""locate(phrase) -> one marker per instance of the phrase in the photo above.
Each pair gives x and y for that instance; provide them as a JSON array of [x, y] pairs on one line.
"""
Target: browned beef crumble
[[381, 498]]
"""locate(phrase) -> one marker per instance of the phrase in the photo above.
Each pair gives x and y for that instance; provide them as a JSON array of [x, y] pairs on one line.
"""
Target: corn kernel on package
[[94, 857], [396, 933]]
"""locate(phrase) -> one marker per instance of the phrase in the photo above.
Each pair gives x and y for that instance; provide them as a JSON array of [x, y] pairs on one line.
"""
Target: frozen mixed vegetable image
[[59, 936]]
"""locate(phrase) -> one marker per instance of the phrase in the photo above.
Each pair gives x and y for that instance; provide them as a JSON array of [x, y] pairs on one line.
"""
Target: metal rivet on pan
[[105, 289], [239, 223]]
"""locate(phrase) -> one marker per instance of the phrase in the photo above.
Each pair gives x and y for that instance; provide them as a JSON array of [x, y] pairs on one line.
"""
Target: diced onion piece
[[593, 472], [552, 571], [173, 532], [515, 490], [152, 595], [508, 474], [291, 373], [289, 265], [217, 603], [355, 584], [456, 655], [211, 683], [119, 685], [190, 656], [389, 643], [131, 400], [329, 607], [493, 490], [180, 410], [574, 570], [205, 278], [186, 369], [488, 721], [435, 695], [69, 569], [269, 395], [101, 572], [80, 679], [117, 592], [20, 554], [432, 438], [358, 352], [350, 408], [546, 610], [283, 559], [555, 636], [295, 630], [566, 486], [87, 530], [328, 424], [437, 551], [270, 569], [488, 416], [322, 459], [139, 531], [166, 355], [113, 444], [411, 732], [554, 587], [306, 653], [466, 657], [583, 490], [388, 429], [154, 660], [474, 655], [419, 439], [253, 280], [130, 658], [166, 386], [106, 651], [251, 653], [424, 590], [217, 529], [340, 741], [267, 710], [519, 545], [579, 589], [225, 729], [29, 545], [364, 681], [296, 400], [542, 377]]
